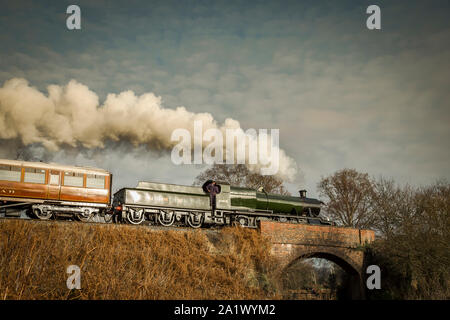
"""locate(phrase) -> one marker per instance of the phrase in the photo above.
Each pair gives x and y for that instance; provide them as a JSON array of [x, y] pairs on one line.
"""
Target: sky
[[342, 96]]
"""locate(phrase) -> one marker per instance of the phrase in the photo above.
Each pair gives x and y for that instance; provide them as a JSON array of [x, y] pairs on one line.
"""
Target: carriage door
[[54, 184]]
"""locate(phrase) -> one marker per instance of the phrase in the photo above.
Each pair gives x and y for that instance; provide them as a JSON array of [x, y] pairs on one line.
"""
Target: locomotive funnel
[[302, 193]]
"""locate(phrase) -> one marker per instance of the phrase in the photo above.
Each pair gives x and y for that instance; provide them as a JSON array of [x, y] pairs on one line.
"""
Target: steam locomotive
[[46, 191]]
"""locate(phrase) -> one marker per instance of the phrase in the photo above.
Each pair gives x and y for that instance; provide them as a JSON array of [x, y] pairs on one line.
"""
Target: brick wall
[[315, 235], [294, 241]]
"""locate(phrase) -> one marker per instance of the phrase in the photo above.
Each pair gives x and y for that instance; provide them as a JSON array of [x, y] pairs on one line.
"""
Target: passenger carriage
[[49, 189]]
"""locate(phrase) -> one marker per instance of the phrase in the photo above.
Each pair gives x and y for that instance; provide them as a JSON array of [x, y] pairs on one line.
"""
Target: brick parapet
[[287, 233]]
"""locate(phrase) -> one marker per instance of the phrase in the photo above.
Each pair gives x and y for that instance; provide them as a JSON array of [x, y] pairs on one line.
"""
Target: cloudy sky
[[342, 96]]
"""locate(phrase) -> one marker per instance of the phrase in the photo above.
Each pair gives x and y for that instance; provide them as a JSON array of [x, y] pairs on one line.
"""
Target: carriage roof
[[55, 166]]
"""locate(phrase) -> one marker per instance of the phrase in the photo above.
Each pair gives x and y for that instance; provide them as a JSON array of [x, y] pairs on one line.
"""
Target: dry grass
[[124, 262]]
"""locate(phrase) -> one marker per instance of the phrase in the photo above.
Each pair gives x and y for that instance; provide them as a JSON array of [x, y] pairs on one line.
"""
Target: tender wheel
[[166, 218], [85, 215], [195, 219], [135, 216], [43, 215]]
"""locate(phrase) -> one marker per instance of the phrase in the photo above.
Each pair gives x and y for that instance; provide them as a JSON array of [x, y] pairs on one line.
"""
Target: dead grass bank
[[124, 262]]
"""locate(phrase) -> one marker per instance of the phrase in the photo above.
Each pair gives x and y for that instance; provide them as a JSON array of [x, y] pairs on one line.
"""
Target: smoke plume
[[71, 116]]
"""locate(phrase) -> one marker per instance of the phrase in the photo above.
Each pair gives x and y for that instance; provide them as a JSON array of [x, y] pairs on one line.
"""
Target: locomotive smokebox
[[302, 193]]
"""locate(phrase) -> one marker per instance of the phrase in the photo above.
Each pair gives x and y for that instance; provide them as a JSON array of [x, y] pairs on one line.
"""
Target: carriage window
[[95, 181], [10, 173], [34, 175], [73, 179]]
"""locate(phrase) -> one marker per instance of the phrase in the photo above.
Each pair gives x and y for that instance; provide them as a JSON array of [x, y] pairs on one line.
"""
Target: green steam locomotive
[[170, 204]]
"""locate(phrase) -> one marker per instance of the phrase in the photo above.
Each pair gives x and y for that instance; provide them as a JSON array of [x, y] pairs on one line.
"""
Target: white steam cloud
[[71, 115]]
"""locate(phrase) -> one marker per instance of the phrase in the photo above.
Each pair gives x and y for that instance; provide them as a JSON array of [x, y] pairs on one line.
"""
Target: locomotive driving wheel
[[166, 218], [195, 219]]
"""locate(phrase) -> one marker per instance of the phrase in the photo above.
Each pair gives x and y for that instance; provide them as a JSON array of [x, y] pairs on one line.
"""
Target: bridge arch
[[341, 245], [340, 259], [356, 285]]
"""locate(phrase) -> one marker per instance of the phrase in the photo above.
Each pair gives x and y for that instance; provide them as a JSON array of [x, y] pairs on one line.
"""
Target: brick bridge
[[291, 242]]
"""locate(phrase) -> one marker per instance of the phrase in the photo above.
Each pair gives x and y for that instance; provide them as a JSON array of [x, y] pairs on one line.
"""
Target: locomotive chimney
[[302, 193]]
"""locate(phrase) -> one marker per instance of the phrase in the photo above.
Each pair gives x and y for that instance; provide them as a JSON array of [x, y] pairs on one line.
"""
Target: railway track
[[145, 225]]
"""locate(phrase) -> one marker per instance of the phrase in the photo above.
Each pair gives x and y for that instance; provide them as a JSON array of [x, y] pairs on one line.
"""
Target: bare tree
[[392, 206], [239, 175], [349, 197], [414, 247]]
